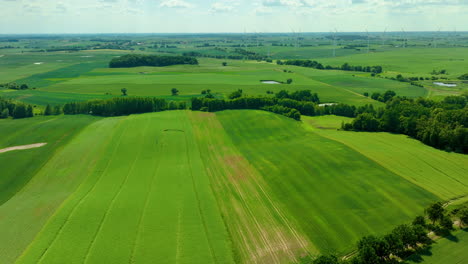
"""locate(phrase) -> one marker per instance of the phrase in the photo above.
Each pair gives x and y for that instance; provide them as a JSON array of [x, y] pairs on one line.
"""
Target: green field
[[144, 197], [249, 187], [18, 167], [63, 77], [448, 250], [235, 186]]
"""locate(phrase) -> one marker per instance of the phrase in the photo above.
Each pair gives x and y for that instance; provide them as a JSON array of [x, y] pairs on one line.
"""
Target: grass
[[320, 182], [447, 250], [25, 214], [260, 228], [144, 198], [441, 173], [233, 186], [18, 167], [410, 61]]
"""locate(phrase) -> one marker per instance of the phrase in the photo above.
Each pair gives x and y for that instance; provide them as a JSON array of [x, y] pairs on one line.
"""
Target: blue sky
[[200, 16]]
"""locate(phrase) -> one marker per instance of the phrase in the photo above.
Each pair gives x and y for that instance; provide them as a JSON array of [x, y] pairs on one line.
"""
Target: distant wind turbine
[[368, 42], [403, 37], [383, 37], [334, 42]]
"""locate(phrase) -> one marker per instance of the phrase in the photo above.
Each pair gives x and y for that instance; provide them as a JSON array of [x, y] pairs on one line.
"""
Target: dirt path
[[37, 145]]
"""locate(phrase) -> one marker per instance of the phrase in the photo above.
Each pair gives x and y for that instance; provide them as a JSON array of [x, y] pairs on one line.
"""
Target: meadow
[[82, 75], [161, 205], [447, 250], [269, 190]]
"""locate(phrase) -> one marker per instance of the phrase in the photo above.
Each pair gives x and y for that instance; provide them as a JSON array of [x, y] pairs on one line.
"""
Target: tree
[[366, 94], [289, 81], [419, 220], [48, 110], [446, 223], [5, 113], [57, 110], [435, 212], [463, 216], [124, 91], [19, 111], [224, 63], [24, 87], [235, 94], [174, 91], [29, 111]]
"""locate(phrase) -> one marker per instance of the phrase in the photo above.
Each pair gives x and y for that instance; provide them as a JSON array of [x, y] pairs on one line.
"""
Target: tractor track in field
[[114, 198], [81, 200], [145, 207], [258, 243], [197, 196]]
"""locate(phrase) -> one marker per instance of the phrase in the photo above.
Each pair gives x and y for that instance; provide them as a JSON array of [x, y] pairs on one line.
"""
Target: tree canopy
[[136, 60]]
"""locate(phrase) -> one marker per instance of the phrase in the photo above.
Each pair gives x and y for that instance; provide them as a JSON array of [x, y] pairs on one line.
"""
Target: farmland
[[232, 186], [250, 205], [449, 250], [169, 196]]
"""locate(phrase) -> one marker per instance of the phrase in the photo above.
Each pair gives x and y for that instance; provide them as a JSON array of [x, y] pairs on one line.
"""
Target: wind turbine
[[368, 42], [454, 36], [334, 42], [435, 41], [404, 37], [383, 37]]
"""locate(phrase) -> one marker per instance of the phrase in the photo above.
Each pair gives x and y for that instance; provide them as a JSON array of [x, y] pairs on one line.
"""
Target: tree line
[[443, 125], [136, 60], [317, 65], [14, 86], [283, 102], [10, 108], [119, 106], [402, 242], [291, 105]]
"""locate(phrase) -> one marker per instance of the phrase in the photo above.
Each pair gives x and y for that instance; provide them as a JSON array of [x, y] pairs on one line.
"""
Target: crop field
[[59, 77], [18, 167], [142, 201], [250, 187], [302, 168], [233, 186], [447, 250], [441, 173]]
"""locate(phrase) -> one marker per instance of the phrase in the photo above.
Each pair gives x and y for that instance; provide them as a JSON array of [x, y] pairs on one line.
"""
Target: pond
[[445, 84]]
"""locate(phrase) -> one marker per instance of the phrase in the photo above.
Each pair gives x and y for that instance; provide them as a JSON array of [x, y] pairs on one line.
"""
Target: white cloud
[[290, 3], [219, 7], [176, 4]]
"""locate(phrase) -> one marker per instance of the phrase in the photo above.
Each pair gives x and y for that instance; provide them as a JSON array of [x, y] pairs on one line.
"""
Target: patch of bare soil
[[37, 145]]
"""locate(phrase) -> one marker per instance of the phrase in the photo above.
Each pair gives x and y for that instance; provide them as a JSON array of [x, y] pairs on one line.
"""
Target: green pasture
[[447, 250], [84, 75], [191, 187], [18, 167], [411, 61], [334, 193], [261, 229], [144, 197], [439, 172], [52, 178]]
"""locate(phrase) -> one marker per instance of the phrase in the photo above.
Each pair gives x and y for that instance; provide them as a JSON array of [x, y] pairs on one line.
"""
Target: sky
[[214, 16]]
